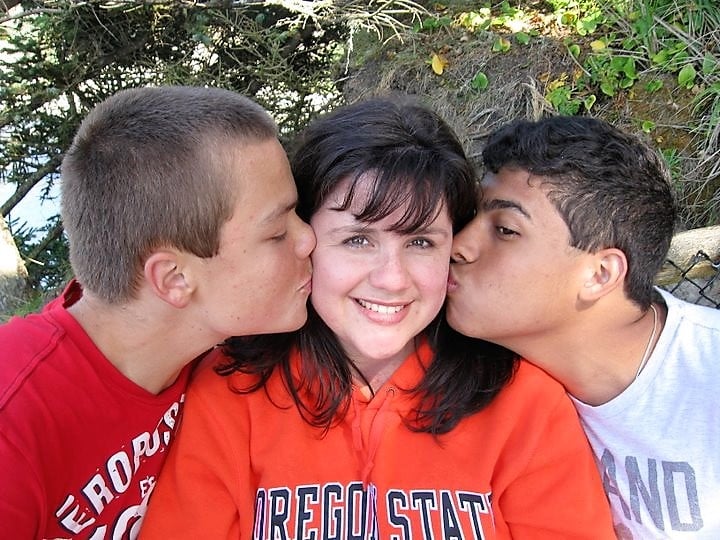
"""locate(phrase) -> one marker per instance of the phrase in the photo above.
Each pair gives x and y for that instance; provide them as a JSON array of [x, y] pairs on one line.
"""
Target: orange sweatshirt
[[249, 467]]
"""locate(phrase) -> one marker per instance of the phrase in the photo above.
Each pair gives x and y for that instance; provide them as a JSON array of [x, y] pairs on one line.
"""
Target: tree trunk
[[13, 274]]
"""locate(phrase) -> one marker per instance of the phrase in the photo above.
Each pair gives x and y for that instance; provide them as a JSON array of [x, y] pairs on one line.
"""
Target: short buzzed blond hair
[[147, 169]]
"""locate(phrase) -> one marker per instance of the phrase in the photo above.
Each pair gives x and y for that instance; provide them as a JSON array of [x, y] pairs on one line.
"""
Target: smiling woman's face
[[375, 288]]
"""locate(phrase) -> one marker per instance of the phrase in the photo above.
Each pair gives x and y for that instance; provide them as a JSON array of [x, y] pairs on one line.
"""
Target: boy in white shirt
[[558, 265]]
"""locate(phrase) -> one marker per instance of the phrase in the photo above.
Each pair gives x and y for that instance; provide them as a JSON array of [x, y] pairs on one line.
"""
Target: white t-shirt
[[658, 442]]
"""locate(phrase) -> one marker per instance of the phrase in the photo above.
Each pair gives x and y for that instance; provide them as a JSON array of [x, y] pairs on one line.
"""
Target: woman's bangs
[[391, 191]]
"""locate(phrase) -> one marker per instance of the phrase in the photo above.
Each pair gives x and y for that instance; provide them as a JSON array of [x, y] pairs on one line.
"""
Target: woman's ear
[[606, 272], [166, 274]]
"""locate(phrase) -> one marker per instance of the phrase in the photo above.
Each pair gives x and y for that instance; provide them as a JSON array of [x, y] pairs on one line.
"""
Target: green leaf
[[686, 77], [567, 18], [589, 101], [475, 20], [661, 56], [642, 27], [647, 126], [433, 23], [522, 38], [501, 45], [574, 50], [479, 81], [618, 63], [631, 43], [709, 64], [654, 86], [629, 69], [588, 26], [607, 88], [678, 59]]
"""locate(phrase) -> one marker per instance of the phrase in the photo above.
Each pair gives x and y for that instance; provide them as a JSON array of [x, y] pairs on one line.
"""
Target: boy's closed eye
[[506, 231]]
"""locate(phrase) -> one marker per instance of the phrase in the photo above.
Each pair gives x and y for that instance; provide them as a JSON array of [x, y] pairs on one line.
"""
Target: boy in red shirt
[[178, 203]]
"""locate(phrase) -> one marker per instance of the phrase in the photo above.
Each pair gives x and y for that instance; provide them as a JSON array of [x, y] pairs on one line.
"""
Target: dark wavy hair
[[610, 187], [416, 159]]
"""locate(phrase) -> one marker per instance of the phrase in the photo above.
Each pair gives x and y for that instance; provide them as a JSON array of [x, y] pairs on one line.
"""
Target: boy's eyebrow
[[279, 211], [502, 204]]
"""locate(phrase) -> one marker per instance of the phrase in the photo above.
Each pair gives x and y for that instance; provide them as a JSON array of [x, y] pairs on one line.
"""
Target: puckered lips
[[452, 284], [306, 287]]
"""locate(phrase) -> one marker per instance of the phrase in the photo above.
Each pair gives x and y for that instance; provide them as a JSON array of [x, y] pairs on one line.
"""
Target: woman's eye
[[421, 242], [279, 237], [356, 241]]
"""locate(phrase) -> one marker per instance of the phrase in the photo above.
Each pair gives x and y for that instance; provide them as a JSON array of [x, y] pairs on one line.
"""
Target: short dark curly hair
[[611, 188]]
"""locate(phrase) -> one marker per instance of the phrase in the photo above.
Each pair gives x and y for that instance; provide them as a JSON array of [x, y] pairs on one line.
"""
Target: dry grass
[[517, 87]]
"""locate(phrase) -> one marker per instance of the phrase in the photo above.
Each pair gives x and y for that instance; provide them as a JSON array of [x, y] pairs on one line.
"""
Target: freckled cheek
[[334, 272], [331, 285], [433, 281]]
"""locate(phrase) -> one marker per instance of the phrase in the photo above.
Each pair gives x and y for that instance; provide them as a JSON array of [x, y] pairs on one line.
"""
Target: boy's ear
[[606, 272], [166, 275]]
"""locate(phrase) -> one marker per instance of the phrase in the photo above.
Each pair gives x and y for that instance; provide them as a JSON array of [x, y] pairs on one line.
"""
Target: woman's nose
[[390, 272]]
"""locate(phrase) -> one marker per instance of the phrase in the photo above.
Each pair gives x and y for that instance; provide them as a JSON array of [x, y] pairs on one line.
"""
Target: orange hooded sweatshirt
[[249, 467]]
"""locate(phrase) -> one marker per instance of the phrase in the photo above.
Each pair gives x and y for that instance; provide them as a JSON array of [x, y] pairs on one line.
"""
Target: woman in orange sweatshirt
[[376, 420]]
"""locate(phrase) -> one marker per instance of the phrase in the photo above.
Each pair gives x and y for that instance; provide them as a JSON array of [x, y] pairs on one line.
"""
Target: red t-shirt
[[80, 444]]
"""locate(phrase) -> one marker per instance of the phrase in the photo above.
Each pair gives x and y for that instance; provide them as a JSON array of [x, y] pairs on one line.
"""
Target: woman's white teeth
[[380, 308]]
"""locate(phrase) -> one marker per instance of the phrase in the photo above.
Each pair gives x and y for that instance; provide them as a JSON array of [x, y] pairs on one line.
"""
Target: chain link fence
[[701, 291], [692, 268]]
